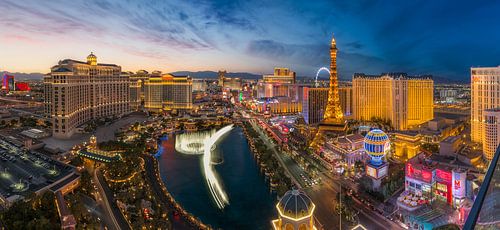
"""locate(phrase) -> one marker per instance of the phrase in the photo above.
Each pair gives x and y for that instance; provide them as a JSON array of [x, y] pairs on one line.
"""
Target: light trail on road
[[218, 193]]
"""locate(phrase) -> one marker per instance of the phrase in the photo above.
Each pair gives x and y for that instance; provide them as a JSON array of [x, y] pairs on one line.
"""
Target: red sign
[[443, 176]]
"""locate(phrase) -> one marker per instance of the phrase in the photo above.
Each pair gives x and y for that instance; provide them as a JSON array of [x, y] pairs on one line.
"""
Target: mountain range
[[214, 75]]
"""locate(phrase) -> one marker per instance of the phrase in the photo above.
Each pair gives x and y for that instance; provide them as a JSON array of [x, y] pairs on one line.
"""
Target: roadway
[[324, 195], [291, 167], [96, 209], [20, 101], [118, 221], [325, 208]]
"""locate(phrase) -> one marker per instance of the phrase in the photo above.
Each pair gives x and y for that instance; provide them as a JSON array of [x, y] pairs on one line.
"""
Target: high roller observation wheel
[[317, 74]]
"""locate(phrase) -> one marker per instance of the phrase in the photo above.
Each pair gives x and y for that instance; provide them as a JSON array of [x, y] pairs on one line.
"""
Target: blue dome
[[376, 144]]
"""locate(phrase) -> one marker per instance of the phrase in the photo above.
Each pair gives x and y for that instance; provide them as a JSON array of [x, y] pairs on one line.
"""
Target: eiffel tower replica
[[333, 118]]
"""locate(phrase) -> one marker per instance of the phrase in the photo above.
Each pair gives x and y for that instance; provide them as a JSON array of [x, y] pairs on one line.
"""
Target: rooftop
[[295, 204], [22, 171]]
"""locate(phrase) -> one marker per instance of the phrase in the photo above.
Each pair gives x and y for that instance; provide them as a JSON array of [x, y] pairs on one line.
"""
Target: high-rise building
[[77, 92], [8, 83], [168, 92], [281, 75], [406, 101], [232, 83], [491, 132], [221, 77], [345, 96], [314, 104], [485, 94], [137, 88], [199, 85]]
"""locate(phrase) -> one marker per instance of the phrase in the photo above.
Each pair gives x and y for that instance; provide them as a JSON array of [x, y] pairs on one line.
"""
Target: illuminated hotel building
[[345, 96], [314, 102], [485, 94], [168, 92], [406, 145], [221, 77], [77, 92], [228, 83], [232, 83], [199, 85], [278, 105], [137, 88], [430, 180], [296, 212], [491, 132], [281, 75], [8, 83], [405, 101]]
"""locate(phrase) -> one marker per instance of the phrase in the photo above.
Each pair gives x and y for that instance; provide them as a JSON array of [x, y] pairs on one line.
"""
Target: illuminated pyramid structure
[[333, 118]]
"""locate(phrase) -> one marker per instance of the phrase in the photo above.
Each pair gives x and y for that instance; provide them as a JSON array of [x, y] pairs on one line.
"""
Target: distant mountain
[[443, 80], [26, 76], [243, 75], [213, 74]]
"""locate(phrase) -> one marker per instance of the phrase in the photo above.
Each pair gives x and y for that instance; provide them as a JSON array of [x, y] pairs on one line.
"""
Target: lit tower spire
[[333, 113]]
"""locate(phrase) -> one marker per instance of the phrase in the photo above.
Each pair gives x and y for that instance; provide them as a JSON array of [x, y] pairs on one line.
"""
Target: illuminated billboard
[[377, 172], [458, 183]]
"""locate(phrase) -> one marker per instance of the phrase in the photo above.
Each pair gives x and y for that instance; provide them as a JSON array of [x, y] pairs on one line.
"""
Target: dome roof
[[92, 59], [295, 204]]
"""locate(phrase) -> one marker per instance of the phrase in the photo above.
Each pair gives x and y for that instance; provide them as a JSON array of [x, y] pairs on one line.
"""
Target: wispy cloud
[[372, 36]]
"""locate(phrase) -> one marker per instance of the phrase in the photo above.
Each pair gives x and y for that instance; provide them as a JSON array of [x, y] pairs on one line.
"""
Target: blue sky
[[442, 38]]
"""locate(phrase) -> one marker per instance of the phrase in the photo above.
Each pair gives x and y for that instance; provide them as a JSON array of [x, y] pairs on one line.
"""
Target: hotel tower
[[404, 100], [485, 95], [77, 92]]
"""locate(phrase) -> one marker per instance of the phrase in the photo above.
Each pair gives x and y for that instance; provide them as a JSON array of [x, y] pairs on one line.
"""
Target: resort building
[[77, 92], [485, 94], [296, 212], [434, 191], [281, 75], [277, 105], [406, 101], [406, 145], [491, 132], [168, 92], [137, 88], [314, 102]]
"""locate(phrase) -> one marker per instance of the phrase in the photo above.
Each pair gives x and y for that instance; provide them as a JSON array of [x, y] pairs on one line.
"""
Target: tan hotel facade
[[76, 92], [485, 95], [406, 101], [168, 92]]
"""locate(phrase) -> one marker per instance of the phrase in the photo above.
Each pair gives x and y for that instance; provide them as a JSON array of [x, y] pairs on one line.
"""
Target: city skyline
[[441, 39]]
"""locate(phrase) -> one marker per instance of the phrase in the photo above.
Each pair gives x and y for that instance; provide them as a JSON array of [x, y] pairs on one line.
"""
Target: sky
[[441, 38]]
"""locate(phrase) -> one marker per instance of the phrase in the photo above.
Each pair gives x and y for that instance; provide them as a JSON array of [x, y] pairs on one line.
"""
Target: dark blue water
[[251, 206]]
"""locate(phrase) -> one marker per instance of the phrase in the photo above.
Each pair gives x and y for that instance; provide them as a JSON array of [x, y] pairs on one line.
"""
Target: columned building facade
[[77, 92], [491, 131], [485, 94], [168, 92], [404, 100]]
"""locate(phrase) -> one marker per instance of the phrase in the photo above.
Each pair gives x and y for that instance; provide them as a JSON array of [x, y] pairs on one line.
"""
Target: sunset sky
[[442, 38]]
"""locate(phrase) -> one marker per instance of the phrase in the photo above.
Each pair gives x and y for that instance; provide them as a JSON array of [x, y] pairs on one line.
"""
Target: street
[[323, 195], [107, 199]]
